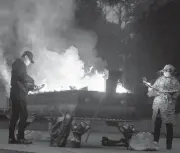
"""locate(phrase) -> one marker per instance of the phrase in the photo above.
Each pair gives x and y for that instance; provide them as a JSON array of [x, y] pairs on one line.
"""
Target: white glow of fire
[[73, 76]]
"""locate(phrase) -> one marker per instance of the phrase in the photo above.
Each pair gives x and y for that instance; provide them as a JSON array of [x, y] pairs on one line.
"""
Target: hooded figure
[[166, 89]]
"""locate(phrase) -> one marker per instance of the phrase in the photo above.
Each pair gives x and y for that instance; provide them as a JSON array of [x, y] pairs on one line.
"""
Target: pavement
[[92, 146], [40, 138]]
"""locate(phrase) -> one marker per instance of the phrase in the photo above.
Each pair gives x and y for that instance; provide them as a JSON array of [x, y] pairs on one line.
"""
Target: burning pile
[[73, 76]]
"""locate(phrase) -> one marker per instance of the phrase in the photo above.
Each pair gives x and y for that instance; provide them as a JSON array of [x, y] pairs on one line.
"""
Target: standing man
[[21, 84], [165, 90]]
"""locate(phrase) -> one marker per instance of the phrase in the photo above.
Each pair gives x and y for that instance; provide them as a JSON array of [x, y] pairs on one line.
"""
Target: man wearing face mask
[[21, 84], [166, 89]]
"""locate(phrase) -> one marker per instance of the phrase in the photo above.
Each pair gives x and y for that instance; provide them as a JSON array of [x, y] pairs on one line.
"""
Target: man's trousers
[[157, 130], [19, 111]]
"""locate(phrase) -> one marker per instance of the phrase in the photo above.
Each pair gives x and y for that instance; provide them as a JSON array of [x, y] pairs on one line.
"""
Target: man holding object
[[166, 90], [21, 84]]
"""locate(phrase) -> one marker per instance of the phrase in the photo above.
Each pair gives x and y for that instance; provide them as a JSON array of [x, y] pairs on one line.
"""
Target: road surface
[[92, 146], [41, 145]]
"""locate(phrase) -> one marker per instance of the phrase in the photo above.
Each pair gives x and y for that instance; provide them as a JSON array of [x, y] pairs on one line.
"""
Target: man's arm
[[151, 91], [176, 95], [23, 77], [176, 84], [29, 83]]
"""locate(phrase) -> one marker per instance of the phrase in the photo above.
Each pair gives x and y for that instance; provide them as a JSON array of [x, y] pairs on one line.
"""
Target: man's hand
[[176, 95], [37, 88], [150, 89], [169, 96]]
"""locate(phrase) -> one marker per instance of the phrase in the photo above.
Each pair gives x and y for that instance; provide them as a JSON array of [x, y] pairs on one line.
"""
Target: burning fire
[[73, 75], [47, 27]]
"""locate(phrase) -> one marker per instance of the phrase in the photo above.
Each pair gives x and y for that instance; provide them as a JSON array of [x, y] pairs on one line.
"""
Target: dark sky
[[160, 39], [156, 44]]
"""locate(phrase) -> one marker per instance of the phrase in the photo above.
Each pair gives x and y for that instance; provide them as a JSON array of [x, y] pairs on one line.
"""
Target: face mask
[[167, 74], [27, 61]]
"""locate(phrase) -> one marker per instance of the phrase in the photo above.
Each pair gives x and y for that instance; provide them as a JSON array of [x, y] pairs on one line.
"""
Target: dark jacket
[[21, 82]]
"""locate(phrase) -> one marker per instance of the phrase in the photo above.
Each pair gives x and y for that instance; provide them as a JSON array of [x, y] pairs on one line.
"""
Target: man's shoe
[[168, 144], [156, 145], [24, 141], [13, 141], [168, 147]]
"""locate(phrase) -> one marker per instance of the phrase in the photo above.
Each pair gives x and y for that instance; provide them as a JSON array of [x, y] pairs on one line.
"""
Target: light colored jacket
[[164, 103]]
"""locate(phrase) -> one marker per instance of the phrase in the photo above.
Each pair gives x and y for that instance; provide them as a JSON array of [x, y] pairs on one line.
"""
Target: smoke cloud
[[4, 73], [62, 53]]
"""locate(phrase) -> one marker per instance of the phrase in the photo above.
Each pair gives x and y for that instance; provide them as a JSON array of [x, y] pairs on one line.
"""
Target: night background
[[155, 44], [140, 42], [74, 42]]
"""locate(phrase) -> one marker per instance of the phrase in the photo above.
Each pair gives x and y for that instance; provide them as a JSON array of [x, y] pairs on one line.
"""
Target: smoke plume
[[4, 72], [62, 52]]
